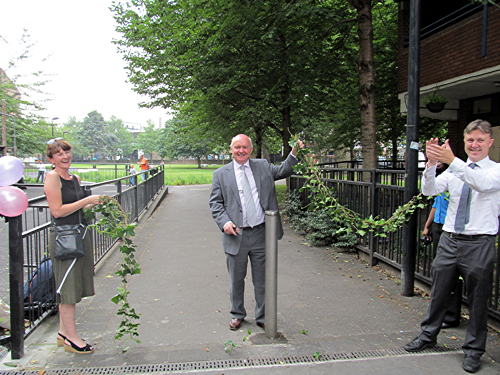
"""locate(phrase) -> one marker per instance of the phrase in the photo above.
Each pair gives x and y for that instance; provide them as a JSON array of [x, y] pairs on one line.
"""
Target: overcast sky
[[86, 72]]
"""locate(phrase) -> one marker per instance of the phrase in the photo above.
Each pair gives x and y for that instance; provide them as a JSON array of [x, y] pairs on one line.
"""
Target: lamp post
[[52, 124]]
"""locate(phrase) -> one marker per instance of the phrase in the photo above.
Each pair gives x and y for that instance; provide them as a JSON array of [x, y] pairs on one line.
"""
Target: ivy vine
[[113, 222], [322, 198]]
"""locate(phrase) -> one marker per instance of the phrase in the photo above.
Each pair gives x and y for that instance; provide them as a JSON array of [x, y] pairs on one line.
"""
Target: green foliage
[[229, 345], [181, 138], [325, 217], [149, 140], [261, 67], [434, 97], [20, 98], [320, 227], [113, 222]]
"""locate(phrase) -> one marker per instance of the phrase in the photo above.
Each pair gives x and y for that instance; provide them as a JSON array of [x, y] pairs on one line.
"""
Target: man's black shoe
[[471, 363], [417, 344], [446, 325]]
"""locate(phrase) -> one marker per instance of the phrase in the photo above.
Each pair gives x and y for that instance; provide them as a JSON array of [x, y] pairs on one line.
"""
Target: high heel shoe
[[60, 339], [73, 348]]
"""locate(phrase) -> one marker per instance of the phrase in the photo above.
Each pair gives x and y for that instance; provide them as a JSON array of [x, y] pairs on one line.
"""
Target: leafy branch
[[322, 198], [113, 222]]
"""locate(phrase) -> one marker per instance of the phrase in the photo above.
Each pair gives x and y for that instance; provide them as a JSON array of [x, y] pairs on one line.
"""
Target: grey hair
[[481, 125], [239, 135]]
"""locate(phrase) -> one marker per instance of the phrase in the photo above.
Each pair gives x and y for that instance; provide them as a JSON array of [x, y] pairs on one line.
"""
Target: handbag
[[69, 238], [69, 241]]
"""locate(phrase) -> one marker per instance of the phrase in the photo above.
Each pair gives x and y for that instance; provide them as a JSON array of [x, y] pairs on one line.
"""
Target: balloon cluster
[[13, 201]]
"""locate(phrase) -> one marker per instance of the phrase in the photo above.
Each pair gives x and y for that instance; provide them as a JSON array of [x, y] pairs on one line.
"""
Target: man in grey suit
[[241, 191]]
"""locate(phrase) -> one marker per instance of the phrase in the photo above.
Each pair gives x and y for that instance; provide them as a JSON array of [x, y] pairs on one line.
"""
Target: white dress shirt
[[255, 194], [484, 181]]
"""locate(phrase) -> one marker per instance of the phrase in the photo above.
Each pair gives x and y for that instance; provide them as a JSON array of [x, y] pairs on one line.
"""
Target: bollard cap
[[271, 212]]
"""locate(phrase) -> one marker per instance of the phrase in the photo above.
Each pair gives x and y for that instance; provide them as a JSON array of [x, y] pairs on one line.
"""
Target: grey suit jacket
[[225, 203]]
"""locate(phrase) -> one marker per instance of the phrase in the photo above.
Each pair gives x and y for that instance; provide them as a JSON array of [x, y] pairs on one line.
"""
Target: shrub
[[320, 227]]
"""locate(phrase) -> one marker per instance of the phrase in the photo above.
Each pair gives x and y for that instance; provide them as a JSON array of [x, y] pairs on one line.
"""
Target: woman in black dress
[[66, 201]]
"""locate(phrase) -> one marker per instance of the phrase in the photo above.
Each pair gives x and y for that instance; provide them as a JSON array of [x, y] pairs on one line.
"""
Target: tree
[[149, 140], [22, 125], [94, 135], [238, 65], [126, 145], [366, 82], [179, 138]]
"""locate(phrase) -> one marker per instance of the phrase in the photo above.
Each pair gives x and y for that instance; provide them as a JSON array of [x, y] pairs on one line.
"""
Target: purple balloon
[[13, 201], [11, 170]]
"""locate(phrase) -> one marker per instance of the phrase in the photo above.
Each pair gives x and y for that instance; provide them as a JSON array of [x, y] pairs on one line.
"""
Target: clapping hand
[[436, 152]]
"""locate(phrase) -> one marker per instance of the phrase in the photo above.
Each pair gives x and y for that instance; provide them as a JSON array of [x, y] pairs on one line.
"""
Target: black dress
[[80, 281]]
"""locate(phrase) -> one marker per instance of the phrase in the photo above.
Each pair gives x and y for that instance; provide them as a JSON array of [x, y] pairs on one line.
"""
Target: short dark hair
[[481, 125]]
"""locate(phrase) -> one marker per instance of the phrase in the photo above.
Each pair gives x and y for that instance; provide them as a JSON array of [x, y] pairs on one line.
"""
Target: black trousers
[[473, 259]]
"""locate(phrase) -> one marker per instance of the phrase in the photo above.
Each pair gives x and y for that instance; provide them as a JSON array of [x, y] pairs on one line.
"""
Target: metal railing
[[380, 195], [29, 265]]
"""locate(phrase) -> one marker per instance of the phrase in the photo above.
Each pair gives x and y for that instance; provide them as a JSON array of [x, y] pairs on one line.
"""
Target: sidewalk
[[337, 314]]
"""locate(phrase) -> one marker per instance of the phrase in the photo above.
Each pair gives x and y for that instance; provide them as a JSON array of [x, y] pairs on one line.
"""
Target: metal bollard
[[271, 299]]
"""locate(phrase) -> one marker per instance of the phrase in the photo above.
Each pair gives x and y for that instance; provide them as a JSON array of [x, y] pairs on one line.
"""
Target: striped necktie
[[463, 210]]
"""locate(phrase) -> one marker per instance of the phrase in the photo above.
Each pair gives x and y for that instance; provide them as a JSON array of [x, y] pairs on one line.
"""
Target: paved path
[[337, 314]]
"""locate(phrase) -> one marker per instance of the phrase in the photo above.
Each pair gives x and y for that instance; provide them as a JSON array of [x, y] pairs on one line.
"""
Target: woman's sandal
[[60, 339], [72, 347]]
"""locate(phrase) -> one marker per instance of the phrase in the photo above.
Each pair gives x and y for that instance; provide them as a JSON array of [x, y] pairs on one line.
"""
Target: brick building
[[459, 59]]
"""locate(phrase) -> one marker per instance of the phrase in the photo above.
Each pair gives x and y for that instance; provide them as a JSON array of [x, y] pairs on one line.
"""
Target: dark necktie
[[463, 210]]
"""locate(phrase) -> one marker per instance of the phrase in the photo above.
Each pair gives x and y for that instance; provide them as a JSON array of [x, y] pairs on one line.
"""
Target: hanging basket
[[435, 107]]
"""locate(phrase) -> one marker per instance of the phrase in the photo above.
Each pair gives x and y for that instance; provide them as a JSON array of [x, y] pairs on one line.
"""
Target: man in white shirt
[[467, 245]]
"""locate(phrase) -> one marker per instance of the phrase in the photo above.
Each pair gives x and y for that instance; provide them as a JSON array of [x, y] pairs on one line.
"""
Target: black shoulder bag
[[69, 237]]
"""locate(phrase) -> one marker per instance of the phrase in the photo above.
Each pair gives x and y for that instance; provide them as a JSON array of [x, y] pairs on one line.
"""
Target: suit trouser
[[472, 258], [253, 247], [454, 307]]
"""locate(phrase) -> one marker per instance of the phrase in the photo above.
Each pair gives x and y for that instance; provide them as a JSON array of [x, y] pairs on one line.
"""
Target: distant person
[[144, 165], [132, 171], [241, 192], [467, 244], [41, 171], [431, 232], [66, 201]]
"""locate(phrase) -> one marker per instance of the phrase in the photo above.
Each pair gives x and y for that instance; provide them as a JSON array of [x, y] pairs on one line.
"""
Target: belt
[[255, 227], [460, 236]]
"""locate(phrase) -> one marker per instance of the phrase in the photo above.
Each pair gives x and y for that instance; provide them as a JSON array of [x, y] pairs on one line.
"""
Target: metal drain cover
[[166, 368]]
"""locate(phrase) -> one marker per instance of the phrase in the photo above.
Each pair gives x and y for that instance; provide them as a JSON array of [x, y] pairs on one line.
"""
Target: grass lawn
[[188, 174], [175, 174]]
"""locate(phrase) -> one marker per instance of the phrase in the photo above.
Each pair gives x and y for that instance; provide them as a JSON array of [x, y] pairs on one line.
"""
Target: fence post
[[374, 211], [119, 191], [271, 299], [16, 260], [136, 198]]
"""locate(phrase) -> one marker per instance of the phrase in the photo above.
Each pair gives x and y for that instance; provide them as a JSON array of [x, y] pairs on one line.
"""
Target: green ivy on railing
[[113, 222], [322, 197]]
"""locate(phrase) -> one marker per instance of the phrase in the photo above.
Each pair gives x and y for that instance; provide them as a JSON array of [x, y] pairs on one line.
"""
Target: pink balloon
[[11, 170], [13, 201]]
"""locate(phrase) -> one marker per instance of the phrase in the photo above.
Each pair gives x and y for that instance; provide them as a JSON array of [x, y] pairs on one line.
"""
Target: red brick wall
[[454, 51]]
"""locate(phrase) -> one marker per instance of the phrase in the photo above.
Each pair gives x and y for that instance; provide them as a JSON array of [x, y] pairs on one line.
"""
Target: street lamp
[[52, 124]]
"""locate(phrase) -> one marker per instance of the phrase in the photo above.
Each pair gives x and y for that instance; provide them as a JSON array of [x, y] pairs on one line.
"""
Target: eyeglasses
[[50, 141]]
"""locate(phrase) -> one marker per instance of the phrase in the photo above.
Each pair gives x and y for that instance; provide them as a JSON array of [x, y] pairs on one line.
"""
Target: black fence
[[31, 282], [378, 193]]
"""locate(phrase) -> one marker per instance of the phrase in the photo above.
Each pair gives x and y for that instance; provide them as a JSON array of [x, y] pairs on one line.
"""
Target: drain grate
[[167, 368]]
